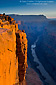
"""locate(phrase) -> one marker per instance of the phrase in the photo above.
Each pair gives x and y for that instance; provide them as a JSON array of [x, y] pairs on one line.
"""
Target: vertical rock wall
[[21, 53], [13, 52], [7, 57]]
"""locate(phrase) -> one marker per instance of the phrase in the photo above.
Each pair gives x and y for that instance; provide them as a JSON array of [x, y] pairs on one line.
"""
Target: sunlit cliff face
[[13, 52]]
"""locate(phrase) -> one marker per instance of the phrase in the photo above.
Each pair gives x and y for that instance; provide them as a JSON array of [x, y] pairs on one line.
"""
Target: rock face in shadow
[[32, 78], [21, 54]]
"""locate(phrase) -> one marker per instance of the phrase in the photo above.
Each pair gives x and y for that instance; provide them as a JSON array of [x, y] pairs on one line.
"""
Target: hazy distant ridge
[[28, 17]]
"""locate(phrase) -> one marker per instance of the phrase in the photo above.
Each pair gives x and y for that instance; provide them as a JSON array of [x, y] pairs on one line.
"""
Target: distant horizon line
[[34, 14], [30, 14], [51, 17]]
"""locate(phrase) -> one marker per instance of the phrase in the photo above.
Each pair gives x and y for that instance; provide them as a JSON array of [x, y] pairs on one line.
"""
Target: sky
[[29, 7]]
